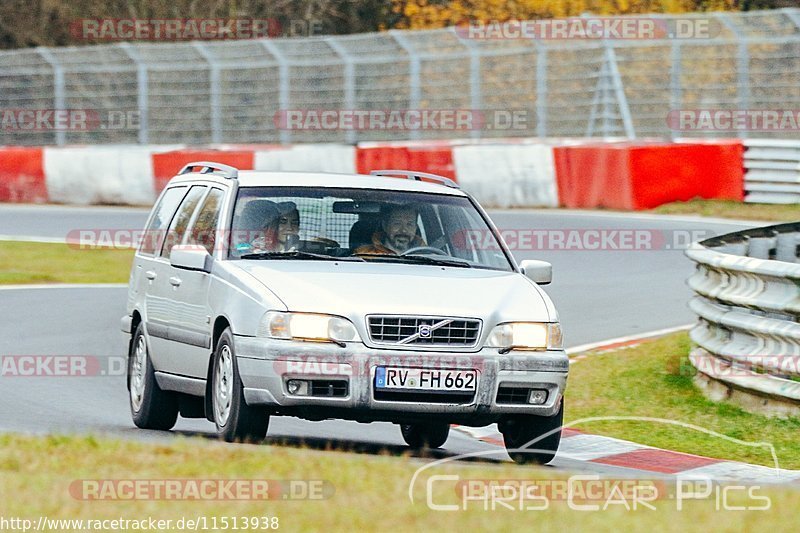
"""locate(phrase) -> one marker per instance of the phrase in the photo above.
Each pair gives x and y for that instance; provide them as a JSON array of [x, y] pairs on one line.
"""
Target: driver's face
[[400, 229]]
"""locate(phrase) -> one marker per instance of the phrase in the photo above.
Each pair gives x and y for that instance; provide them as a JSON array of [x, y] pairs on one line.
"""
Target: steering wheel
[[428, 249]]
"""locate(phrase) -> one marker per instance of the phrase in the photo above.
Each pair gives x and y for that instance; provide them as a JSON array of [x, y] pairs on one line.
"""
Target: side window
[[154, 233], [177, 229], [204, 230]]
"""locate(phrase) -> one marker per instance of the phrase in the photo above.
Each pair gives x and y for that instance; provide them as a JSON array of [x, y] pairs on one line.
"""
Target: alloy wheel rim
[[223, 386], [137, 374]]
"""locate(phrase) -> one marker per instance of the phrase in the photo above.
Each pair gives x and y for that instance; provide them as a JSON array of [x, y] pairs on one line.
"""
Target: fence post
[[541, 89], [676, 90], [475, 93], [214, 92], [59, 100], [619, 89], [141, 91], [413, 75], [283, 87], [742, 66], [349, 82]]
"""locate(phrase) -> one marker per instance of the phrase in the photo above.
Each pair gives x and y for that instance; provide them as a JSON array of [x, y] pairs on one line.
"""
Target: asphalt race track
[[600, 295]]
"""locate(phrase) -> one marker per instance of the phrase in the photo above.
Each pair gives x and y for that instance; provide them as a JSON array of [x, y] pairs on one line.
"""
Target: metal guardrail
[[747, 298], [772, 171], [232, 92]]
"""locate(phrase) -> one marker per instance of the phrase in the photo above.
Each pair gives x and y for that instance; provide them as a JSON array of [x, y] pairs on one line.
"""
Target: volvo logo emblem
[[425, 331]]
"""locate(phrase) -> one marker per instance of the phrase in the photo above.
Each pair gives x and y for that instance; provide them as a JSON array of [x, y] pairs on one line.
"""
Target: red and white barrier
[[499, 173]]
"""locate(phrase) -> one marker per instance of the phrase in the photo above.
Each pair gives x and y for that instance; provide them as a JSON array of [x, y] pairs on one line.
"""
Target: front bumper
[[265, 365]]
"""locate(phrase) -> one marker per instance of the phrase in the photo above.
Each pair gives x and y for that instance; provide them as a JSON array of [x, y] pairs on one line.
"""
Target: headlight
[[307, 326], [526, 336]]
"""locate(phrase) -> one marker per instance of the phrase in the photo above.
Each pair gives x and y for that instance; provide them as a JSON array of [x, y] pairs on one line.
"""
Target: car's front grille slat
[[407, 330]]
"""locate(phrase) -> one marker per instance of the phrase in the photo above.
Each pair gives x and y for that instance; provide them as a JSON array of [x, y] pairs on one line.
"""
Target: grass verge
[[25, 262], [731, 209], [654, 379], [368, 491]]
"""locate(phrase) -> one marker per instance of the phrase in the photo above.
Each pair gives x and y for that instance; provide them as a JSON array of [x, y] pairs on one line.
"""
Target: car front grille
[[424, 330]]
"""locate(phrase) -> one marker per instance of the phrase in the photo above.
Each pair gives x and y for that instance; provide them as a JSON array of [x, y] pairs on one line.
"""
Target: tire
[[235, 420], [151, 407], [428, 435], [518, 431]]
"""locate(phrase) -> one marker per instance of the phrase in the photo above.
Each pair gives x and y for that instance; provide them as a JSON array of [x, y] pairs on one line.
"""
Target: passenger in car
[[288, 228], [398, 233], [257, 228]]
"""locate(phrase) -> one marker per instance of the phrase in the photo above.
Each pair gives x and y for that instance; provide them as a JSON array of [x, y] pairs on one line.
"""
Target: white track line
[[64, 286], [619, 340], [29, 238]]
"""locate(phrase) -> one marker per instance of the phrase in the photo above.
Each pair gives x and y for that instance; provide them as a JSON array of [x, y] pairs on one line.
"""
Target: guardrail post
[[759, 247], [214, 92], [141, 91], [786, 247], [349, 82], [59, 100], [283, 87], [414, 68]]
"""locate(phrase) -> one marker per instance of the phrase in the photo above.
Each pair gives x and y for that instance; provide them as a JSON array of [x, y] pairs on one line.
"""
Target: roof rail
[[417, 176], [207, 167]]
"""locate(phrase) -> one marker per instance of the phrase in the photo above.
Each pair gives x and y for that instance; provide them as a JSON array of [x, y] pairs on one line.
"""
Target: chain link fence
[[234, 91]]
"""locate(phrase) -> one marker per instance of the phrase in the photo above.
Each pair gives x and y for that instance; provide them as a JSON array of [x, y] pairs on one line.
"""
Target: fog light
[[297, 387], [537, 396]]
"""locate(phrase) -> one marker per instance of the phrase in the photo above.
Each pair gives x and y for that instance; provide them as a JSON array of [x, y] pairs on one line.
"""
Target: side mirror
[[540, 272], [190, 257]]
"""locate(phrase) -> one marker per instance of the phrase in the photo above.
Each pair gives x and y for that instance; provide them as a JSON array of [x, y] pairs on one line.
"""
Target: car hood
[[354, 290]]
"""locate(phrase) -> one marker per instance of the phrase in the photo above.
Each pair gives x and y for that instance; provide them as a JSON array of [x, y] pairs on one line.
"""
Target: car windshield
[[305, 223]]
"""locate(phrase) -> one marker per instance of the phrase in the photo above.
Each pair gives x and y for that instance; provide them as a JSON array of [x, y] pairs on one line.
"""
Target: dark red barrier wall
[[167, 164], [22, 175], [643, 176]]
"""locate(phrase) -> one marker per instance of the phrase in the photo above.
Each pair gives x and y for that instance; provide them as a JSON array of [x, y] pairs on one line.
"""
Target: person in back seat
[[398, 233]]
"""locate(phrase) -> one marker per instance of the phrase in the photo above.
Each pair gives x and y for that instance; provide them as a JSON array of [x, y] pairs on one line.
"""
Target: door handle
[[175, 281], [150, 274]]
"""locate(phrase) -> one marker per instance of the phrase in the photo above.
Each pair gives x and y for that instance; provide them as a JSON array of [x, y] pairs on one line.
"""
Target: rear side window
[[177, 229], [204, 230], [154, 234]]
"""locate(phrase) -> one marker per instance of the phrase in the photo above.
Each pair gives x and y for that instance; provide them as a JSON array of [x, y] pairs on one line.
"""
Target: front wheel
[[235, 420], [432, 435], [151, 407], [518, 432]]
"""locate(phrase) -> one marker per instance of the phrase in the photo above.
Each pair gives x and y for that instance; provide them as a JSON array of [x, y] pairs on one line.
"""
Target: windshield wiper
[[420, 259], [298, 255]]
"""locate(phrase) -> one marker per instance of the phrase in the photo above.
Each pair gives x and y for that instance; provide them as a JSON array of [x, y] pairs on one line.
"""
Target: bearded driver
[[398, 233]]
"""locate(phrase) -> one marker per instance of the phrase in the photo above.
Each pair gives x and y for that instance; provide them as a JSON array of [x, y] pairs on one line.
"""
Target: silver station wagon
[[388, 297]]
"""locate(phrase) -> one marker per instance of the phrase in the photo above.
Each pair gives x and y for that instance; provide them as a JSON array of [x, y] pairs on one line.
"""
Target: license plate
[[428, 380]]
